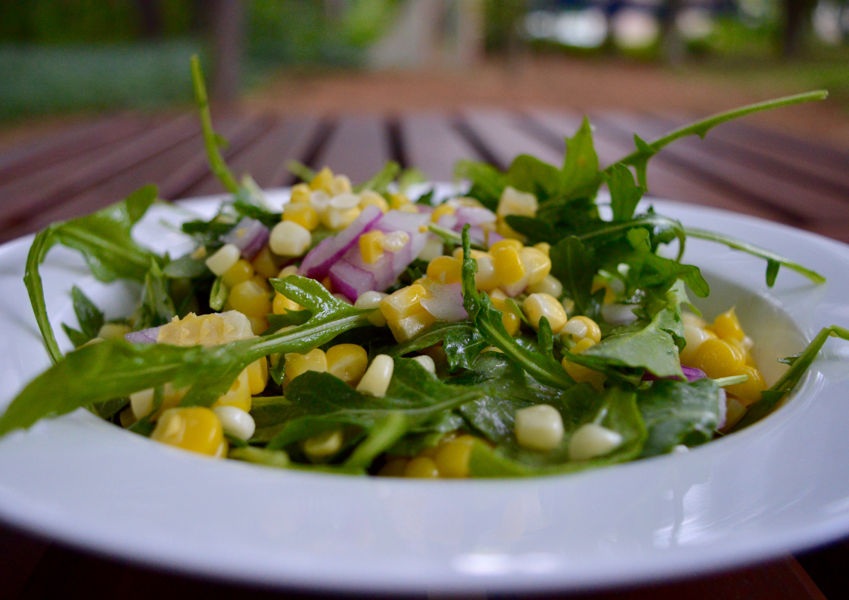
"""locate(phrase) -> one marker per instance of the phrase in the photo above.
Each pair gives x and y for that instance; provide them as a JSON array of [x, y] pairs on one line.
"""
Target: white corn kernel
[[320, 200], [142, 403], [539, 305], [376, 379], [514, 202], [341, 185], [433, 247], [592, 440], [549, 285], [345, 201], [426, 362], [235, 421], [576, 328], [289, 239], [322, 445], [539, 427], [113, 331], [369, 301], [690, 319], [485, 278], [223, 259], [339, 218], [395, 241], [695, 337]]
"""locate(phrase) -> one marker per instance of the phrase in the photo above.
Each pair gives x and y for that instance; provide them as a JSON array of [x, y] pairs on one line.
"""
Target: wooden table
[[88, 165]]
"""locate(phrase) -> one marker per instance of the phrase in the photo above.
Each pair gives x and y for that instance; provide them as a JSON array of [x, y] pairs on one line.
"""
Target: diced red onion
[[448, 222], [493, 238], [396, 220], [476, 235], [618, 314], [249, 236], [474, 216], [350, 281], [145, 336], [691, 373], [318, 261], [445, 302]]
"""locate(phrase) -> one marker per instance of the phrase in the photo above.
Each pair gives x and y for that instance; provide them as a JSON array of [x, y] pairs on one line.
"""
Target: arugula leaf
[[461, 342], [89, 317], [624, 193], [185, 267], [677, 412], [575, 266], [327, 402], [774, 261], [301, 171], [157, 307], [489, 322], [218, 294], [487, 181], [529, 174], [581, 177], [616, 409], [104, 240], [381, 180], [799, 365]]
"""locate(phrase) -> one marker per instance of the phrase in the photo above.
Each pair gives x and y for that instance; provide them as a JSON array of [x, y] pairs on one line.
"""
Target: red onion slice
[[317, 263], [249, 236], [691, 373], [474, 216], [350, 281], [445, 302], [396, 220], [145, 336]]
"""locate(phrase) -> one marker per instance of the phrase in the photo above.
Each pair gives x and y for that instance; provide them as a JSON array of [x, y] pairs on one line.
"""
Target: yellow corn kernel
[[371, 247], [421, 467], [549, 285], [257, 375], [339, 218], [580, 373], [508, 265], [537, 306], [694, 336], [195, 428], [485, 278], [348, 362], [407, 328], [239, 394], [539, 427], [282, 305], [510, 319], [340, 185], [504, 230], [327, 284], [409, 208], [394, 467], [206, 330], [323, 445], [370, 198], [376, 379], [250, 299], [301, 213], [264, 263], [241, 271], [506, 244], [396, 201], [609, 294], [717, 358], [113, 331], [298, 364], [543, 247], [537, 264], [395, 241], [445, 269], [689, 318], [476, 254], [748, 392], [403, 303], [514, 202], [583, 327], [452, 458], [371, 300], [441, 211], [300, 194], [727, 326], [323, 180]]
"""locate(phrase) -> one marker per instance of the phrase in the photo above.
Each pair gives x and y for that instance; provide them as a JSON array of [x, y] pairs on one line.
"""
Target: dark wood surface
[[89, 165]]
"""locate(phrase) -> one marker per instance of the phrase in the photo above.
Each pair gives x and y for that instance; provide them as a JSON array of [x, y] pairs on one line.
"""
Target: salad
[[521, 324]]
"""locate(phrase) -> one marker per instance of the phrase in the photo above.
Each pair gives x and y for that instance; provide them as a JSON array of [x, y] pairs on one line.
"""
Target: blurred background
[[61, 59]]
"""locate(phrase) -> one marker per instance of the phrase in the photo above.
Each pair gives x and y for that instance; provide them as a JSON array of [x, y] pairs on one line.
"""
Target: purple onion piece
[[474, 216], [145, 336], [691, 373], [249, 236], [317, 263], [349, 280]]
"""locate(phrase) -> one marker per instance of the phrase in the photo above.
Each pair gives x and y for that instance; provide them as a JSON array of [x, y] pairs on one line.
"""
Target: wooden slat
[[22, 160], [433, 145], [45, 188], [665, 180], [770, 189], [359, 147], [502, 137]]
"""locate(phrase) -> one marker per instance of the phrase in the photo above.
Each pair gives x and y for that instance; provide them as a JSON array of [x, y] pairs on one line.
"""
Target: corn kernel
[[396, 201], [537, 264], [539, 427], [250, 299], [300, 194], [421, 467], [377, 377], [264, 263], [320, 202], [514, 202], [340, 185], [370, 301], [370, 247], [289, 239], [141, 403], [404, 302], [327, 284], [370, 198], [452, 458], [322, 180], [205, 330], [239, 394], [689, 318], [235, 421], [301, 213], [580, 373], [113, 331], [537, 306], [581, 327], [426, 362], [445, 269], [348, 362], [591, 440], [506, 244], [749, 391], [282, 305], [195, 428], [549, 285], [717, 358], [543, 247], [727, 326], [394, 467], [694, 336], [323, 445], [486, 278], [441, 211], [339, 218], [507, 232], [239, 272], [509, 319], [298, 364], [734, 411], [508, 265], [257, 375], [609, 294], [224, 258], [433, 247], [407, 328], [395, 241]]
